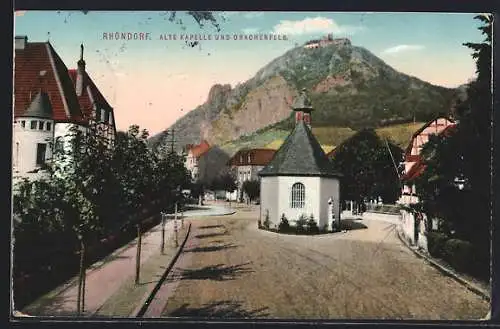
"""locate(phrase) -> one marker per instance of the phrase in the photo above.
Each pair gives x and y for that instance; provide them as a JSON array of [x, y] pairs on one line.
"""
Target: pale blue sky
[[161, 77]]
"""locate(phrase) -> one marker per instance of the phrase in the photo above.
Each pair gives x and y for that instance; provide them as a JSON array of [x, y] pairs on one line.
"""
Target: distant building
[[413, 224], [247, 163], [300, 179], [327, 40], [194, 152], [49, 99], [413, 165]]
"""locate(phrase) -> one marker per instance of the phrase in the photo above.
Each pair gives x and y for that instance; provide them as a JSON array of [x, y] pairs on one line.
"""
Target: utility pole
[[172, 141], [393, 161]]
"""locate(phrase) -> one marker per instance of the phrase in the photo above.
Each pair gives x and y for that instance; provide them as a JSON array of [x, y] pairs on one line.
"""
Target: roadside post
[[175, 226], [163, 215]]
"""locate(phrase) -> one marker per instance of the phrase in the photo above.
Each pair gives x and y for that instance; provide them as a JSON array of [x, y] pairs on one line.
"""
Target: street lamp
[[459, 182]]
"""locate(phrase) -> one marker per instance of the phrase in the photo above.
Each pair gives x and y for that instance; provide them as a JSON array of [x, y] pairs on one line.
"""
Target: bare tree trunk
[[80, 280], [84, 276], [138, 256]]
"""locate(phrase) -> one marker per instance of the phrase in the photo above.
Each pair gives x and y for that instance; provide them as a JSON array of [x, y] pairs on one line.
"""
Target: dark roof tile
[[300, 155]]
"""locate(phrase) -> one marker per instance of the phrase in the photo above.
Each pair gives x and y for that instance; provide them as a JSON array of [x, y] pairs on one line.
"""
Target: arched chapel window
[[298, 196]]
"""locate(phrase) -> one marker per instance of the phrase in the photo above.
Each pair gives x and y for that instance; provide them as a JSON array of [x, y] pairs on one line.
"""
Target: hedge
[[435, 243], [459, 254]]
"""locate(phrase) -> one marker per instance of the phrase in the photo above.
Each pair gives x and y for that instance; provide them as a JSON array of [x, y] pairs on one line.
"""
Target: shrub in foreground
[[312, 226], [435, 243], [284, 225], [459, 254]]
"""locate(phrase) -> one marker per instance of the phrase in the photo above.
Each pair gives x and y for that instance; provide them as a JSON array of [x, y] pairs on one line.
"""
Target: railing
[[383, 208]]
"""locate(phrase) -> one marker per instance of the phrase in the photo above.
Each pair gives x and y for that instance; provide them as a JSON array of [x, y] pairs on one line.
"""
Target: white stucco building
[[49, 99], [246, 164], [194, 153], [300, 179]]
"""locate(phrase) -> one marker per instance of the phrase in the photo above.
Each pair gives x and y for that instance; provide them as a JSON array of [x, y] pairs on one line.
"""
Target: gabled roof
[[258, 157], [90, 95], [38, 66], [300, 155], [200, 149], [40, 107], [419, 167], [416, 170], [421, 129]]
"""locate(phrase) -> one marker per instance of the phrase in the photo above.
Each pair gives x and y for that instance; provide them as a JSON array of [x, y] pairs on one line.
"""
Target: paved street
[[104, 280], [231, 269]]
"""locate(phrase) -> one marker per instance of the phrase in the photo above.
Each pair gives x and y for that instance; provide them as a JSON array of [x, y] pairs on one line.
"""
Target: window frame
[[41, 125], [33, 124], [298, 195]]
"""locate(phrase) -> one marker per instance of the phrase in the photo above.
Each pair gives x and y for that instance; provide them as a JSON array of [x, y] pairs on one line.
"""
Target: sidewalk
[[104, 280]]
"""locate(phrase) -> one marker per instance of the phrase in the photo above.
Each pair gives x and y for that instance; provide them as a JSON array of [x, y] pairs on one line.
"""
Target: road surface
[[230, 269]]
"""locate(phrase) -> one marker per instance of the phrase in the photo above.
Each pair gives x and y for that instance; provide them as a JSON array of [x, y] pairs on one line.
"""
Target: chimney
[[20, 42], [80, 72], [303, 108]]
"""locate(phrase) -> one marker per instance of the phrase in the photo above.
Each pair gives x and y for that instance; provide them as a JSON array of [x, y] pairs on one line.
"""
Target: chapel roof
[[300, 155]]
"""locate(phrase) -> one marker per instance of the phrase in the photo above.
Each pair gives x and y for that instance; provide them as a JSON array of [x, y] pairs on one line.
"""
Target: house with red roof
[[194, 153], [247, 163], [413, 165], [49, 99], [412, 224]]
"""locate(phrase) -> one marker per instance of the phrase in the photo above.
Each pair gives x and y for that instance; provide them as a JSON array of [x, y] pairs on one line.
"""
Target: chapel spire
[[303, 108]]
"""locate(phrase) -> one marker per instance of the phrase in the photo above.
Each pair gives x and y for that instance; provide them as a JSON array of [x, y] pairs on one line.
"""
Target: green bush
[[312, 226], [300, 224], [284, 225], [459, 254], [435, 243]]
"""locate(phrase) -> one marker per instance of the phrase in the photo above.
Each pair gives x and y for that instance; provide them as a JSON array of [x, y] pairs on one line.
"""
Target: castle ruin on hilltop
[[327, 40]]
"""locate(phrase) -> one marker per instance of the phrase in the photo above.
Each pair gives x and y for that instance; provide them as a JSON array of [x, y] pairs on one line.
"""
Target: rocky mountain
[[349, 87]]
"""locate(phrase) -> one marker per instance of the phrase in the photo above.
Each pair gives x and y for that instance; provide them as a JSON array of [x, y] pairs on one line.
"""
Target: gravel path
[[235, 270]]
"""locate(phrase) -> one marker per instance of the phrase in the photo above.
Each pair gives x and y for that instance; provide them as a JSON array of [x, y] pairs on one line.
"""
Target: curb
[[143, 306], [470, 286], [205, 215]]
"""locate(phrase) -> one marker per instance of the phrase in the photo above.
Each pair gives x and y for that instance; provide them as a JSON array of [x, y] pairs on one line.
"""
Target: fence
[[63, 263], [383, 208]]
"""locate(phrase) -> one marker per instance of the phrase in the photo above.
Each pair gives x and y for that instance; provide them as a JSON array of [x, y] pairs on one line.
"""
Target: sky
[[155, 81]]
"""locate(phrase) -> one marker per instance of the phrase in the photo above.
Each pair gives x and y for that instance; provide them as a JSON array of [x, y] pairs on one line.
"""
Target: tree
[[251, 188], [455, 185], [81, 171], [368, 166]]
